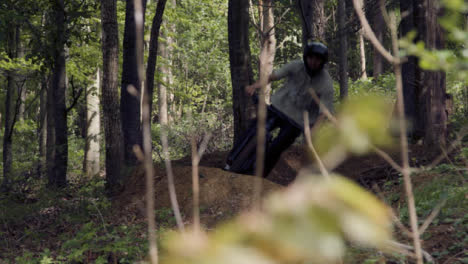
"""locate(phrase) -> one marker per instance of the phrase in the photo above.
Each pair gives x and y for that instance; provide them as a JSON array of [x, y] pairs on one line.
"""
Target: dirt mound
[[222, 194], [283, 173]]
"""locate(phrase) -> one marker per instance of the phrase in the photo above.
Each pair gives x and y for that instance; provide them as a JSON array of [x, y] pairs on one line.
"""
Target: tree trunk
[[110, 96], [434, 83], [240, 64], [318, 20], [50, 144], [152, 56], [42, 127], [59, 176], [379, 29], [9, 113], [362, 55], [162, 88], [20, 80], [268, 42], [171, 104], [411, 74], [130, 100], [343, 51], [93, 128]]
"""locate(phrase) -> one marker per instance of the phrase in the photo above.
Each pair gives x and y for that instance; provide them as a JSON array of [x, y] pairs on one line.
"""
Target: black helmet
[[316, 48]]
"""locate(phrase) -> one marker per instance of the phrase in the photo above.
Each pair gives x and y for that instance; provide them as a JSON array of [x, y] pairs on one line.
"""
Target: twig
[[358, 5], [392, 212], [147, 142], [404, 145], [456, 255], [76, 97], [196, 157], [387, 158], [307, 136], [195, 186], [432, 216], [463, 132], [100, 215], [170, 180], [405, 248], [403, 136], [261, 135]]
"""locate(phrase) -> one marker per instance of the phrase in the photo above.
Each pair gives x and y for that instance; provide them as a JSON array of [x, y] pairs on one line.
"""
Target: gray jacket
[[295, 96]]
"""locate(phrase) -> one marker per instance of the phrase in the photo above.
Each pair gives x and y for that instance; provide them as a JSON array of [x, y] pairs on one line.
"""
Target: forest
[[117, 118]]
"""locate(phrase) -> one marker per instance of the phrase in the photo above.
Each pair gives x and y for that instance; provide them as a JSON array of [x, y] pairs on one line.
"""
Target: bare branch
[[432, 216], [196, 157], [307, 136], [358, 5], [387, 158], [463, 132], [395, 218]]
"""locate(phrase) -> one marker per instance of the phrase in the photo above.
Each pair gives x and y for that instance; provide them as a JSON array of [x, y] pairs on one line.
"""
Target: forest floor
[[82, 226]]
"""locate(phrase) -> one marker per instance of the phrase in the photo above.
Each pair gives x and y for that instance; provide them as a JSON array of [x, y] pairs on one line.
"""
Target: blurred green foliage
[[361, 123]]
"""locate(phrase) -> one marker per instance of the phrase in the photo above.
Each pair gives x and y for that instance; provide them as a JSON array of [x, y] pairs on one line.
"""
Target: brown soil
[[224, 194]]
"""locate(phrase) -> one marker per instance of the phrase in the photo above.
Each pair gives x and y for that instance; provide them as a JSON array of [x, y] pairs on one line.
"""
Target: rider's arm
[[250, 89]]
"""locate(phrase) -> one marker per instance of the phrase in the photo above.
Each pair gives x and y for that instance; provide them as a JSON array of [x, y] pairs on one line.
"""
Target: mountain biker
[[304, 77]]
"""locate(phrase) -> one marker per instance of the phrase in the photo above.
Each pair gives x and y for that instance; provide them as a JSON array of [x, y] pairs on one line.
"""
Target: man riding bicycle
[[304, 78]]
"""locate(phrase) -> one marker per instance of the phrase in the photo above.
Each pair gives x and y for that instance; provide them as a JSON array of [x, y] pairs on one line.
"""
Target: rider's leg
[[288, 133], [271, 123]]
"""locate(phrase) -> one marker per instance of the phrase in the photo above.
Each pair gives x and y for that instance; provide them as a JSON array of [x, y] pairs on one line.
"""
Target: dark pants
[[288, 132]]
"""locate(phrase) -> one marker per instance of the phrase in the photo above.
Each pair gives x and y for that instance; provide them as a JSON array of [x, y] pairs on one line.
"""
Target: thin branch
[[279, 21], [195, 186], [404, 144], [432, 216], [147, 142], [396, 219], [405, 250], [75, 98], [387, 158], [307, 136], [358, 6], [261, 139], [170, 179], [196, 157], [462, 133], [403, 130]]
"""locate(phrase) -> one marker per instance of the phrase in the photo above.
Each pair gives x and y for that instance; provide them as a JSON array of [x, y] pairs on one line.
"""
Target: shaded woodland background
[[71, 98]]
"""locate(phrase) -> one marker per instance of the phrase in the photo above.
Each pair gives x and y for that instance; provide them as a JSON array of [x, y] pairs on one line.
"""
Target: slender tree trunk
[[268, 42], [379, 29], [162, 88], [7, 136], [130, 100], [110, 96], [9, 114], [240, 64], [362, 53], [170, 41], [434, 83], [93, 128], [306, 13], [19, 78], [152, 56], [343, 51], [50, 144], [42, 127], [59, 176]]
